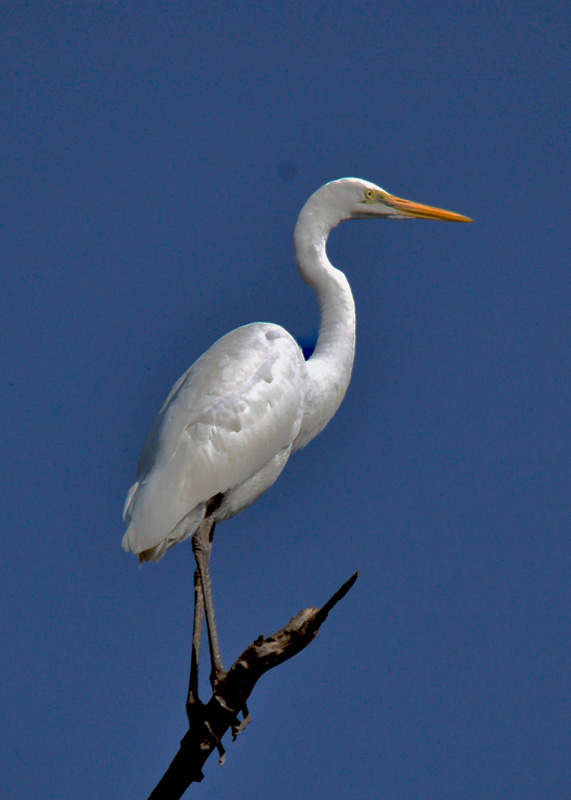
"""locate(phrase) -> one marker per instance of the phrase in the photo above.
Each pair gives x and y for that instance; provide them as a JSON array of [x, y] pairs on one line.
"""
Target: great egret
[[231, 422]]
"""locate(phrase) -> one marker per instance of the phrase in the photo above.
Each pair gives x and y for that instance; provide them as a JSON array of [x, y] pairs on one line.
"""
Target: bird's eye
[[369, 194]]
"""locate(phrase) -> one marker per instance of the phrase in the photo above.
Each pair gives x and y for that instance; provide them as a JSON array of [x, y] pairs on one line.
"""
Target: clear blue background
[[154, 158]]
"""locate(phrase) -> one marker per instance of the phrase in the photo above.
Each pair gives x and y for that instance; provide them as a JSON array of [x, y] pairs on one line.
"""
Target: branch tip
[[339, 595]]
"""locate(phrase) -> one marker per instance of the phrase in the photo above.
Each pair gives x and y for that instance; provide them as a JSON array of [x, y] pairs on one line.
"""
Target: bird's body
[[223, 429], [230, 423]]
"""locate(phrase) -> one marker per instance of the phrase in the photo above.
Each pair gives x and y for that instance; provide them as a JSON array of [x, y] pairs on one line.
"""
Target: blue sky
[[154, 159]]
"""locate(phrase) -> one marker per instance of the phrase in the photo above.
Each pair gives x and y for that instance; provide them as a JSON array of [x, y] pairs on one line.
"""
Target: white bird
[[231, 422]]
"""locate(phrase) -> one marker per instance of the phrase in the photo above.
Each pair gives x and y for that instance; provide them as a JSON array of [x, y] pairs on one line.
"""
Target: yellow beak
[[419, 211]]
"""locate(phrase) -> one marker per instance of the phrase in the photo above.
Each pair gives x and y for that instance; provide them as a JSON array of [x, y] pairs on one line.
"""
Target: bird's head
[[353, 198]]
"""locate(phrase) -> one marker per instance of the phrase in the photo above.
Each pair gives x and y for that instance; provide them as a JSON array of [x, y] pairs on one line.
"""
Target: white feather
[[237, 408]]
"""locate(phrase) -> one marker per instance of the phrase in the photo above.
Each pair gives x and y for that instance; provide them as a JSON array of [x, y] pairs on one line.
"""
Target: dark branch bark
[[211, 721]]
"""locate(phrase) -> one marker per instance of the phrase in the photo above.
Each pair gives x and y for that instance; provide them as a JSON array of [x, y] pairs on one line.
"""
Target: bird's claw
[[221, 752], [239, 725]]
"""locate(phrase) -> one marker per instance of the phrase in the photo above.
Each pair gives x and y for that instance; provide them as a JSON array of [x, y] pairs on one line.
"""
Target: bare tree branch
[[210, 722]]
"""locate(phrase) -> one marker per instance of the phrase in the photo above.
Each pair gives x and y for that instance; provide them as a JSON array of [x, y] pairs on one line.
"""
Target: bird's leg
[[202, 546], [193, 700]]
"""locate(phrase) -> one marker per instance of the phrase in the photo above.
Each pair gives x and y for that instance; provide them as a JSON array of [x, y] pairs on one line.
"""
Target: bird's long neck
[[329, 368]]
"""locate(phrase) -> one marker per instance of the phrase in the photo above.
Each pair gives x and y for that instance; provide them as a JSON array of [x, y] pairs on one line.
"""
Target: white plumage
[[230, 423], [221, 425]]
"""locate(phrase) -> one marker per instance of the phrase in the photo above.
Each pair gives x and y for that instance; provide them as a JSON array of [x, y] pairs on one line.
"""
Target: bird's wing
[[239, 405]]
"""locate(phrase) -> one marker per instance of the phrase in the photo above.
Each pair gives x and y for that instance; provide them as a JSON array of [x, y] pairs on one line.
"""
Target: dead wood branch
[[211, 721]]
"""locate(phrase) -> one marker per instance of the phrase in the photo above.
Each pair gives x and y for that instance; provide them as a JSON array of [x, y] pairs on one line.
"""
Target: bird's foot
[[195, 710], [217, 676], [221, 752], [239, 725]]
